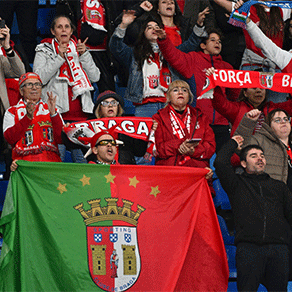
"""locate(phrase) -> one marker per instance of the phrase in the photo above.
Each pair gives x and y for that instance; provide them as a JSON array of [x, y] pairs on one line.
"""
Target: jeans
[[262, 264], [76, 154], [148, 109], [273, 96]]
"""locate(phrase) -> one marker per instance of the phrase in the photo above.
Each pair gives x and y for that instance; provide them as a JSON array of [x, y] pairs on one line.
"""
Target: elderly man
[[103, 147], [262, 209], [33, 127]]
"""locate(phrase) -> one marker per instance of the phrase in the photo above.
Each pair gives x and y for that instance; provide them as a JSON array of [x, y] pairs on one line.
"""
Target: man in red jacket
[[192, 66], [33, 127]]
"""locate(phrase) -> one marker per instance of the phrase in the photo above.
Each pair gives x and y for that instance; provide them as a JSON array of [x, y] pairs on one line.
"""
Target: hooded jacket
[[192, 67]]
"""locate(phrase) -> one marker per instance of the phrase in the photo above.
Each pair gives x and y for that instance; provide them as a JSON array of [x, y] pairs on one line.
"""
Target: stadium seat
[[221, 199], [231, 251], [227, 238], [3, 188]]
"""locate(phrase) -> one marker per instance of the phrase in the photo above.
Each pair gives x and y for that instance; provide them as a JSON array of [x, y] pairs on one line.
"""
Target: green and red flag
[[87, 227]]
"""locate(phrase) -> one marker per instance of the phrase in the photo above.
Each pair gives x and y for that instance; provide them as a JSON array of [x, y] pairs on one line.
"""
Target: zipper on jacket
[[265, 216]]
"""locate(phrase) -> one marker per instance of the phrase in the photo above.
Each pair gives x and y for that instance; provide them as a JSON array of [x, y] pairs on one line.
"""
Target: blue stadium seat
[[227, 238], [212, 165], [221, 199], [45, 17], [231, 251], [3, 188]]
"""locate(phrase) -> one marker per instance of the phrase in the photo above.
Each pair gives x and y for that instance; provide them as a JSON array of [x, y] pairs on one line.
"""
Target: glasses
[[106, 142], [280, 120], [107, 103], [31, 85]]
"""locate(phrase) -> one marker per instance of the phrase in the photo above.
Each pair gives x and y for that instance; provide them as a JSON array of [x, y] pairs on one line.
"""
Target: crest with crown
[[112, 211]]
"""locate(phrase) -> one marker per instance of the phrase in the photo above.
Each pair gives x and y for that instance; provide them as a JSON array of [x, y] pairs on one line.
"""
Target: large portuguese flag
[[78, 227]]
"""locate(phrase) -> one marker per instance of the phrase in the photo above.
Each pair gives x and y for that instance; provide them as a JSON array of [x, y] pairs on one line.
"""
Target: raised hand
[[253, 114], [238, 4], [51, 102], [146, 6], [202, 16], [81, 47], [161, 34], [128, 17], [239, 140], [5, 32], [63, 48], [30, 108], [210, 71]]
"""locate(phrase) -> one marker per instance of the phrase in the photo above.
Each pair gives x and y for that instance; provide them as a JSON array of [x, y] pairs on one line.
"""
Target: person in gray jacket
[[275, 139], [67, 69]]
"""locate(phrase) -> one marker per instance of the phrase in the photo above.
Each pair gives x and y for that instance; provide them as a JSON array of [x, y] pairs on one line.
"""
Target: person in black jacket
[[262, 209]]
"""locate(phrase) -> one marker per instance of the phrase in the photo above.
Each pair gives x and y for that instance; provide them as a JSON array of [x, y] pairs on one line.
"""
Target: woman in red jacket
[[183, 136], [249, 98]]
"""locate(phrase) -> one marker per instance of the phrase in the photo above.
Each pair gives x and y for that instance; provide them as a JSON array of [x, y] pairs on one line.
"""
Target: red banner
[[136, 127], [279, 82]]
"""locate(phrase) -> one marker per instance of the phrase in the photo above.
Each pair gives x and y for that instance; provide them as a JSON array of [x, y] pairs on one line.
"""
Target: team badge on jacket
[[112, 243]]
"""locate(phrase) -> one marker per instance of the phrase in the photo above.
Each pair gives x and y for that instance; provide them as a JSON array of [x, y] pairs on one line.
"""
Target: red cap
[[28, 75]]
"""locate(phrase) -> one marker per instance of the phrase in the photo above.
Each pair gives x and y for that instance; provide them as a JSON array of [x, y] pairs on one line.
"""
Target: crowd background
[[115, 65]]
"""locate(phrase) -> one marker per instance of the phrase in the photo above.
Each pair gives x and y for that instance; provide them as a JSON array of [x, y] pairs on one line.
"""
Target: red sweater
[[234, 111], [192, 66], [167, 143]]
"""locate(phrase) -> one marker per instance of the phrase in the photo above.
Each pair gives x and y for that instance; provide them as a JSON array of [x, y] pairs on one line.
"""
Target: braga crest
[[112, 243]]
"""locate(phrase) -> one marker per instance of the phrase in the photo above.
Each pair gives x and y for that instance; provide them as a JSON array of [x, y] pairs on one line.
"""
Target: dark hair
[[62, 15], [271, 24], [210, 31], [142, 48], [272, 113], [287, 42], [177, 12], [242, 97], [246, 149]]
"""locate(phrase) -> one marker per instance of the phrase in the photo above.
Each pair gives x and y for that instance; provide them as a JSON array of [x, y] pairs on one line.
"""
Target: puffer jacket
[[47, 64]]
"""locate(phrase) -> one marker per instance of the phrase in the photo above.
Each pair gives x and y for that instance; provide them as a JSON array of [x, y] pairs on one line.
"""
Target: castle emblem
[[266, 79], [112, 244]]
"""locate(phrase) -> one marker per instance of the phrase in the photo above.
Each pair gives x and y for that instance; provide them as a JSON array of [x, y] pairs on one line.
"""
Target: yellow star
[[62, 188], [109, 178], [85, 180], [154, 191], [133, 181]]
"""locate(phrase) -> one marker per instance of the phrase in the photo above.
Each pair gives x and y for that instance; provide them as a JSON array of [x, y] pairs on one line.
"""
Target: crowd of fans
[[161, 51]]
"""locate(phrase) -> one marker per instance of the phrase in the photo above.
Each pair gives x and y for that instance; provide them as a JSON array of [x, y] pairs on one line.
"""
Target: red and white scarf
[[156, 77], [71, 71], [180, 128], [93, 14]]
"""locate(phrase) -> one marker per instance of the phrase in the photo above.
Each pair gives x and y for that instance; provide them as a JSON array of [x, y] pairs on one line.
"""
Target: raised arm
[[281, 57], [118, 48]]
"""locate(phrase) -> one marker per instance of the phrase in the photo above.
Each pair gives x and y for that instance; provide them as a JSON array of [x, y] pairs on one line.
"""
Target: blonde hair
[[179, 83]]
